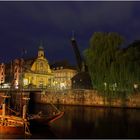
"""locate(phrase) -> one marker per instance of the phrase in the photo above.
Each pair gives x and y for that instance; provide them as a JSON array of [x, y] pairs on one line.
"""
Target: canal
[[93, 122], [89, 122]]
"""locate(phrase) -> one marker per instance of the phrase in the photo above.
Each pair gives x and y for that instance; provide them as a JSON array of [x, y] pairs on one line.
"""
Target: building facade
[[63, 76], [34, 72], [2, 73], [38, 73], [16, 72]]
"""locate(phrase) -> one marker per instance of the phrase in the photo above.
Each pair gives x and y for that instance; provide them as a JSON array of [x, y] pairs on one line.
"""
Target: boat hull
[[11, 130], [43, 120]]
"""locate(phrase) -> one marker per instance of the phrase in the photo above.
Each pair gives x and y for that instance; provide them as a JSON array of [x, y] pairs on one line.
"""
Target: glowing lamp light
[[135, 86]]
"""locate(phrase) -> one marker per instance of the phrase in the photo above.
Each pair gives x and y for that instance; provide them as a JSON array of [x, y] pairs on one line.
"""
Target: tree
[[111, 67]]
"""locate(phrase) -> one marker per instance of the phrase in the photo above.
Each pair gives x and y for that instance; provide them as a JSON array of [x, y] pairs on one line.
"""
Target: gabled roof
[[28, 63]]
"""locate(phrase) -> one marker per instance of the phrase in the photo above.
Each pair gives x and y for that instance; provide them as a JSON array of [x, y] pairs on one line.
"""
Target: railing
[[22, 89], [33, 89]]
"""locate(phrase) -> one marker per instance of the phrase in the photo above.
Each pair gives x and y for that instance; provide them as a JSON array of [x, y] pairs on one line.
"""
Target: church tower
[[41, 53]]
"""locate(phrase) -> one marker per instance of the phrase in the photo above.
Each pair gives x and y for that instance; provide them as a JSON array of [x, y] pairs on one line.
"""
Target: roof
[[82, 75], [64, 63], [28, 63], [41, 48]]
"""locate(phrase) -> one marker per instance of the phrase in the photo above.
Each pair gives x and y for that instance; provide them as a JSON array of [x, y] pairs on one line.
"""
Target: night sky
[[24, 24]]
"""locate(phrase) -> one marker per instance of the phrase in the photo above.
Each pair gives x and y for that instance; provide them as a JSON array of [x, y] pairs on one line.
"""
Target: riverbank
[[87, 98]]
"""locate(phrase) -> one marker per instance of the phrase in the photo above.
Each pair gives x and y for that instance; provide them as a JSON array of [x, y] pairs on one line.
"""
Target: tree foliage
[[112, 67]]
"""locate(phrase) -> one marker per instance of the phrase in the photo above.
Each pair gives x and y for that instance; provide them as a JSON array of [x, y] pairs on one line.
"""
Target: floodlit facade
[[63, 76], [39, 74], [36, 73], [2, 73]]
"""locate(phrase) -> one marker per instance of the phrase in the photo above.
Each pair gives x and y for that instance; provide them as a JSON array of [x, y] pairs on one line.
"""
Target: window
[[41, 64]]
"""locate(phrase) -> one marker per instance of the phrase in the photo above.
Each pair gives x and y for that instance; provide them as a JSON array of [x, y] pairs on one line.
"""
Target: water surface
[[88, 122], [95, 122]]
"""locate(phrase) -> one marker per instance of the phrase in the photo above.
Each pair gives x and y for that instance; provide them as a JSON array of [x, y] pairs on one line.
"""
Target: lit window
[[25, 81]]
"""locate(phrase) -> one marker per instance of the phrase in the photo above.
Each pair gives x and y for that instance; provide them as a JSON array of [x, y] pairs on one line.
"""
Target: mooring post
[[25, 107], [3, 109], [24, 112], [24, 115]]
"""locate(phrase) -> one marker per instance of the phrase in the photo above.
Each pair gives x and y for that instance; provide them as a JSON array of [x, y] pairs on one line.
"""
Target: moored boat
[[12, 124], [40, 119]]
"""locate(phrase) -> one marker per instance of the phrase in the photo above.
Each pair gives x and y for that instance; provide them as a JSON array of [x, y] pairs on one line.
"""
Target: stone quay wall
[[85, 97]]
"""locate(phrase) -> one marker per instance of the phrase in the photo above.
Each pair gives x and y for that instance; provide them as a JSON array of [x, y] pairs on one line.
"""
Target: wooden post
[[3, 109], [25, 107], [24, 112]]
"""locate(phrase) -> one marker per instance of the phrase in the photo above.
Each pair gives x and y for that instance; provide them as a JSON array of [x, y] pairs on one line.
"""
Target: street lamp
[[105, 85]]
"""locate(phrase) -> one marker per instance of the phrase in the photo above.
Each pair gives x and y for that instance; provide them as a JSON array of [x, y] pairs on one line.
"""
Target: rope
[[55, 107], [27, 130], [13, 110]]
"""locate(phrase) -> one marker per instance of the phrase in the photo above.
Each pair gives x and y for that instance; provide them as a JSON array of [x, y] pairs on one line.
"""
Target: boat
[[43, 119], [40, 119], [12, 124]]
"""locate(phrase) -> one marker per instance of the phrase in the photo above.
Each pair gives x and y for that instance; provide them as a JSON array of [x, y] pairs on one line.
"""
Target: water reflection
[[9, 136], [89, 122]]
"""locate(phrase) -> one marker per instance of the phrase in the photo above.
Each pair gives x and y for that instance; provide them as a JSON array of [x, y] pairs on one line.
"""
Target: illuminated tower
[[41, 53]]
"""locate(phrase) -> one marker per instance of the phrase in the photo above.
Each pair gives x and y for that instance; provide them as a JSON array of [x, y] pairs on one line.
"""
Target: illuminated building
[[63, 75], [37, 72], [2, 73], [30, 72], [17, 69]]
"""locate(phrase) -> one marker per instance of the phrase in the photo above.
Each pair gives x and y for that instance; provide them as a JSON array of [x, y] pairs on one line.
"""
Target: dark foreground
[[88, 122]]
